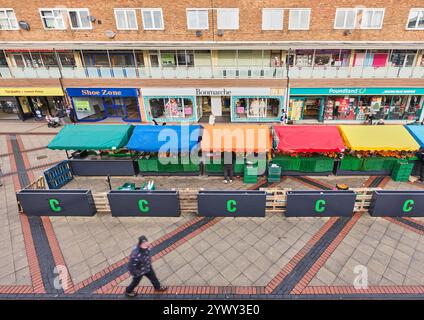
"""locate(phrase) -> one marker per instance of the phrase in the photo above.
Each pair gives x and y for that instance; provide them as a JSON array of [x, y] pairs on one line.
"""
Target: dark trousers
[[228, 172], [136, 280]]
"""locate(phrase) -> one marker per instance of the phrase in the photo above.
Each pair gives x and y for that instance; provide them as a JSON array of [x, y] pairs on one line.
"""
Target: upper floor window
[[345, 19], [272, 19], [416, 19], [299, 19], [79, 18], [8, 20], [52, 19], [152, 19], [197, 19], [228, 19], [126, 19], [372, 18]]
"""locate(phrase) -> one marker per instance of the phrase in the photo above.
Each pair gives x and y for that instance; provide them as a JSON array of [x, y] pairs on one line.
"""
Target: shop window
[[185, 58], [139, 58], [256, 107], [3, 61], [97, 59], [152, 19], [168, 58], [67, 59], [304, 58], [340, 108], [272, 19], [121, 59], [52, 19], [8, 20], [403, 58], [171, 107], [89, 108], [299, 19], [197, 19], [79, 19], [9, 108], [372, 18], [228, 19], [126, 19], [416, 19], [345, 19], [154, 58]]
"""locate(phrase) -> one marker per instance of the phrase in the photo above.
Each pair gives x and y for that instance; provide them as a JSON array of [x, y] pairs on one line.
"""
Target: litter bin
[[274, 173]]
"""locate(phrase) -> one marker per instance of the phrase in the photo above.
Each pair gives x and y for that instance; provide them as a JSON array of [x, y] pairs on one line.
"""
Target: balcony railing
[[212, 72]]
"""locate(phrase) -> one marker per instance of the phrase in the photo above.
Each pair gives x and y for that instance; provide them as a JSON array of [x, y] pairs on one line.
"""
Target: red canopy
[[318, 138]]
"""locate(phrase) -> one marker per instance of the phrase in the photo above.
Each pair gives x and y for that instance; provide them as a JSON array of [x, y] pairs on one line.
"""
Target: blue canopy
[[172, 138], [417, 132]]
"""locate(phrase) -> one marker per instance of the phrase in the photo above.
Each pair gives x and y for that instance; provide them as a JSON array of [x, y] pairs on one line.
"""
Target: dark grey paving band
[[312, 183], [410, 223]]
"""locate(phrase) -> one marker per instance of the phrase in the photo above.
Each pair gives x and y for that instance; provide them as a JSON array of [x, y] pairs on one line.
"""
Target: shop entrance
[[306, 108], [218, 106], [114, 108]]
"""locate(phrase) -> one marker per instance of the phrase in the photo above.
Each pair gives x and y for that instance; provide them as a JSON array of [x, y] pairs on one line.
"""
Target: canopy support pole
[[109, 183], [67, 154]]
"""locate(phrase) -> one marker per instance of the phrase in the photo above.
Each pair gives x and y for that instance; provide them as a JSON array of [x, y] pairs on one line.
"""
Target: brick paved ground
[[272, 257]]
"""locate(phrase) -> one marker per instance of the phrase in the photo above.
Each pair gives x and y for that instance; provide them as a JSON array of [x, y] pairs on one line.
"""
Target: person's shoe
[[231, 181], [131, 294], [161, 289], [225, 181]]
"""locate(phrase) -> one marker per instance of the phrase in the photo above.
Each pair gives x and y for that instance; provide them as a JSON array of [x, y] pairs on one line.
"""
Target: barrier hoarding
[[325, 203], [141, 203], [237, 203], [103, 167], [56, 202], [387, 203]]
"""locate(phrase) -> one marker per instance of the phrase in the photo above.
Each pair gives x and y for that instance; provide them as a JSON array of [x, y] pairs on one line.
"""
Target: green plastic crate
[[287, 163], [351, 163], [214, 168], [274, 174], [148, 165], [250, 174], [316, 164], [389, 163], [402, 170], [373, 164]]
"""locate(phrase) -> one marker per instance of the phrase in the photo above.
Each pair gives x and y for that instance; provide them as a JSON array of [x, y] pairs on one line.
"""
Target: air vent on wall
[[110, 34], [24, 25], [199, 33], [347, 32], [220, 33]]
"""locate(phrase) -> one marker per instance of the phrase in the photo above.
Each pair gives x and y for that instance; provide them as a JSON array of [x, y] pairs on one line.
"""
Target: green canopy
[[92, 137]]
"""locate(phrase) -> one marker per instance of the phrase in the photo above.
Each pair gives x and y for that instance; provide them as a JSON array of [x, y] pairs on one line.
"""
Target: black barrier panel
[[56, 202], [325, 203], [231, 203], [386, 203], [103, 167], [144, 203]]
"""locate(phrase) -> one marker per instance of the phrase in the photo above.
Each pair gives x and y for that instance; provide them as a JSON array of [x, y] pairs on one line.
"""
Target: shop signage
[[38, 92], [386, 203], [213, 92], [237, 203], [161, 92], [320, 203], [141, 203], [355, 91], [56, 202], [102, 92]]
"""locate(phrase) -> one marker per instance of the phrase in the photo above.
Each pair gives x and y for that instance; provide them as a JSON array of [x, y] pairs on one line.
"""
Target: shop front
[[96, 104], [25, 103], [356, 104], [224, 104]]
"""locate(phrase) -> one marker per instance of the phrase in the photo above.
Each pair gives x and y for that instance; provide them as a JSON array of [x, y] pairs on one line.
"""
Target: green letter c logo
[[143, 205], [407, 205], [320, 206], [231, 205], [54, 205]]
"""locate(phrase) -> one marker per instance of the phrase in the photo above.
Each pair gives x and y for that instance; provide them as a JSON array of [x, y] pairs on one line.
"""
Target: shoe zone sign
[[386, 203], [239, 203], [320, 203], [141, 203], [57, 202]]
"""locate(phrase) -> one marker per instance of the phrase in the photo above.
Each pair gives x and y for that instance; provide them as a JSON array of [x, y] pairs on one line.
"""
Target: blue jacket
[[140, 262]]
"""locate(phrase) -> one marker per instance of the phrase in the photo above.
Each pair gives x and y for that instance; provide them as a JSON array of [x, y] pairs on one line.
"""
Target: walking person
[[140, 265], [71, 114], [229, 159]]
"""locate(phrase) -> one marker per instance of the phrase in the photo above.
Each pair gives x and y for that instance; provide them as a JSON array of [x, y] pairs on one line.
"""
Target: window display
[[171, 107], [256, 107], [9, 108]]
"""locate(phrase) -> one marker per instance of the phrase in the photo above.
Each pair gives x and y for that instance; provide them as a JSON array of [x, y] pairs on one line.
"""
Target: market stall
[[98, 149], [306, 150], [164, 150], [251, 145], [378, 150]]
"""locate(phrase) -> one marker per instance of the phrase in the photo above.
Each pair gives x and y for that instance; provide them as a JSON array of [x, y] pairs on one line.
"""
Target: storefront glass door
[[114, 107]]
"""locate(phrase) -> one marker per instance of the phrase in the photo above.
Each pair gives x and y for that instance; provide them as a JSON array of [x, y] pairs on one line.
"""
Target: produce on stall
[[306, 149], [98, 149], [166, 149], [250, 143], [386, 150]]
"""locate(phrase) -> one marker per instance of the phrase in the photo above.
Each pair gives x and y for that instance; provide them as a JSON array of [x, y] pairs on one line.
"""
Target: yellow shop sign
[[31, 92]]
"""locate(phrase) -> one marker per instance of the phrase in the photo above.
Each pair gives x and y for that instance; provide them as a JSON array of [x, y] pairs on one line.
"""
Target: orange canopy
[[237, 138]]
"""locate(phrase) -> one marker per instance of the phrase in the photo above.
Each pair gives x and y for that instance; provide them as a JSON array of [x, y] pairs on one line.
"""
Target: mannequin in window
[[262, 108]]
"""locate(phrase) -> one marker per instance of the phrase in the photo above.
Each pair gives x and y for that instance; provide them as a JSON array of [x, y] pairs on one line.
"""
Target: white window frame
[[62, 12], [14, 14], [373, 10], [300, 9], [281, 10], [126, 18], [79, 18], [198, 9], [344, 25], [227, 9], [151, 10], [409, 16]]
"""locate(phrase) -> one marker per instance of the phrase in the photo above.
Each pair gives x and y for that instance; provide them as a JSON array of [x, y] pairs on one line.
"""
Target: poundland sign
[[355, 91]]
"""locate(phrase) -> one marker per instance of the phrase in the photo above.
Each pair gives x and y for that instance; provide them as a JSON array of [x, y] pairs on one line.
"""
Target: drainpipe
[[288, 84]]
